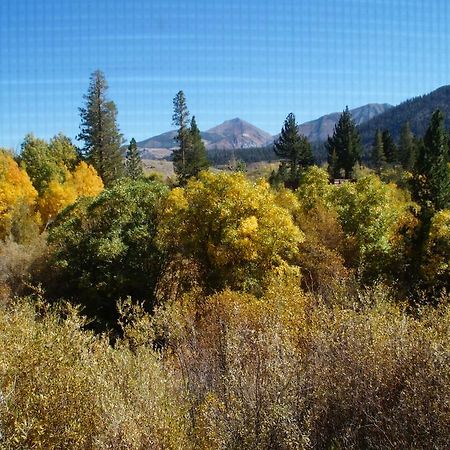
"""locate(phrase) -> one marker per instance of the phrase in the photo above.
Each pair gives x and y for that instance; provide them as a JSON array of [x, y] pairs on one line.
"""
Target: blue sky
[[254, 59]]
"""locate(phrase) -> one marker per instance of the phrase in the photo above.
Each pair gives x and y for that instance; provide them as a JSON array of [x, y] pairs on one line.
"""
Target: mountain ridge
[[239, 134]]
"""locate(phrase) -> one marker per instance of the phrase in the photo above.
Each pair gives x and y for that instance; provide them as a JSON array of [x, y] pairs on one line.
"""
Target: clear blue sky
[[254, 59]]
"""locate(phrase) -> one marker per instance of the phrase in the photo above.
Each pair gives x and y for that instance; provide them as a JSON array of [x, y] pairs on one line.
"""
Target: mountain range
[[238, 134]]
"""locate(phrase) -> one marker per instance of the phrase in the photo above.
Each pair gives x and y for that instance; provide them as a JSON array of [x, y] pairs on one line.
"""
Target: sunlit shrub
[[62, 387]]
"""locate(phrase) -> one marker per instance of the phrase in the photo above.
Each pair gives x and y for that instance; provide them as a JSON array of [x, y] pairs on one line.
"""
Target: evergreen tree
[[196, 159], [432, 175], [333, 165], [378, 157], [390, 149], [407, 148], [180, 119], [346, 144], [294, 148], [133, 162], [99, 131]]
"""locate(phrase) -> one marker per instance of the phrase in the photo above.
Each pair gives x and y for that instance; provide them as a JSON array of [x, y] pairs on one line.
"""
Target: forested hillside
[[416, 111]]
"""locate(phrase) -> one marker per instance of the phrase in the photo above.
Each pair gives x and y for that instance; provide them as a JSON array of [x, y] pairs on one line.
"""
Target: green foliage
[[180, 119], [104, 248], [344, 147], [45, 163], [63, 151], [389, 147], [99, 131], [378, 156], [373, 216], [407, 148], [431, 184], [133, 161], [190, 158], [294, 148], [196, 159]]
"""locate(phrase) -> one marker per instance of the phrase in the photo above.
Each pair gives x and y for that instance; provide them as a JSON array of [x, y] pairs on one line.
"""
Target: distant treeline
[[219, 157]]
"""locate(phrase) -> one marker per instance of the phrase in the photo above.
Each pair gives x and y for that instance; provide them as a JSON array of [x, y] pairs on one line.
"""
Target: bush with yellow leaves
[[63, 387], [17, 200], [232, 228]]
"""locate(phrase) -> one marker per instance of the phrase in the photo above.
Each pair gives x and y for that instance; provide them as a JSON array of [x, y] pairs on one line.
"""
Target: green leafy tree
[[432, 176], [104, 247], [63, 151], [180, 119], [196, 159], [133, 161], [378, 156], [99, 131], [407, 148], [346, 145], [294, 148], [41, 164], [390, 149]]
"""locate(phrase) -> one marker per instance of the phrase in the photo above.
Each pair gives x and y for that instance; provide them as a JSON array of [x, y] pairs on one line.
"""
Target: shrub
[[62, 387]]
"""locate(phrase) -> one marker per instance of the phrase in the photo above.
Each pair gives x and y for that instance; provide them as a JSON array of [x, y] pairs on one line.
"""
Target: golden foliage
[[232, 227], [16, 191], [82, 182]]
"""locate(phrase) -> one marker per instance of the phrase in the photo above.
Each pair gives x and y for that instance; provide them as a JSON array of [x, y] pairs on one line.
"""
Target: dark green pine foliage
[[196, 159], [378, 157], [294, 148], [133, 161], [432, 178], [344, 147], [99, 131], [390, 149], [407, 148], [180, 119]]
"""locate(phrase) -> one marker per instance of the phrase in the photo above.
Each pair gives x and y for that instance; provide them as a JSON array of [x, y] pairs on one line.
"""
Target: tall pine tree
[[99, 131], [390, 149], [180, 119], [294, 148], [196, 159], [432, 177], [133, 161], [344, 147], [378, 157], [407, 148]]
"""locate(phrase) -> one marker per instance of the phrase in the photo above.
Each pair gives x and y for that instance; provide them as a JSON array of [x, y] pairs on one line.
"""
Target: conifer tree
[[294, 148], [390, 149], [378, 157], [99, 131], [133, 162], [407, 148], [196, 159], [180, 119], [345, 142], [432, 175]]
